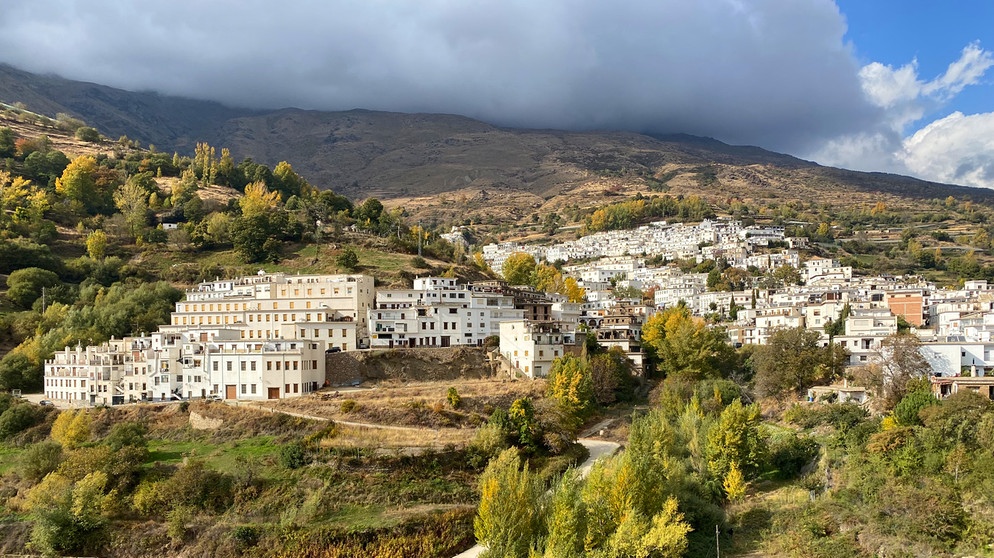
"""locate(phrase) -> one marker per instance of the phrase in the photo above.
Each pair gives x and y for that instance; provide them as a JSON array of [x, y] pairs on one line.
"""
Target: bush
[[453, 397], [17, 419], [86, 133], [906, 411], [40, 459], [349, 405], [246, 536], [789, 453], [293, 455]]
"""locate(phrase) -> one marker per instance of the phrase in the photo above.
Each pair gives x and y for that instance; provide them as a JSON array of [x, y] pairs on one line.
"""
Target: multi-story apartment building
[[438, 312], [531, 347], [193, 364], [331, 308]]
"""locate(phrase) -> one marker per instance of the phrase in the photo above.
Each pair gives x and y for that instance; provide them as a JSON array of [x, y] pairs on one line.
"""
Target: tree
[[348, 259], [96, 244], [611, 376], [685, 346], [131, 200], [734, 483], [71, 428], [908, 408], [519, 269], [573, 291], [25, 286], [791, 361], [68, 515], [508, 517], [566, 518], [735, 440], [901, 362], [78, 183], [258, 200], [569, 385], [88, 134]]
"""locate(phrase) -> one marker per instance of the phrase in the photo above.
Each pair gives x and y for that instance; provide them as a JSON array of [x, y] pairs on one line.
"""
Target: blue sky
[[933, 32], [902, 86]]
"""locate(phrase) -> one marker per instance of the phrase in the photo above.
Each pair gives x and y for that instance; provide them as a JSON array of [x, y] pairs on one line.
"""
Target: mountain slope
[[413, 156]]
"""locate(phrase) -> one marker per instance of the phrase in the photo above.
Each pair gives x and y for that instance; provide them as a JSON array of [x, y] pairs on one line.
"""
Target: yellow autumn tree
[[258, 200], [96, 244], [508, 517], [573, 291], [734, 483], [71, 428]]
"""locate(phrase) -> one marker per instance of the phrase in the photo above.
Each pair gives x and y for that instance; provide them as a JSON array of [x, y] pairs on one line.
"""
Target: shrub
[[18, 418], [453, 397], [906, 411], [293, 455], [245, 536], [86, 133], [349, 405], [40, 459]]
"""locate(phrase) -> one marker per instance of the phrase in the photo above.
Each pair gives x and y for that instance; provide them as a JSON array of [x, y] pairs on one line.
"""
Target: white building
[[330, 308], [531, 347], [166, 366], [438, 312]]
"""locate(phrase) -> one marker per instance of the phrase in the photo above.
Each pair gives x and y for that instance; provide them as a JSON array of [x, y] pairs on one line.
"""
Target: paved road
[[597, 449]]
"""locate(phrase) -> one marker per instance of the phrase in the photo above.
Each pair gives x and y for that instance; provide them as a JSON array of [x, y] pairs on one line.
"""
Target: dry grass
[[396, 439], [388, 402]]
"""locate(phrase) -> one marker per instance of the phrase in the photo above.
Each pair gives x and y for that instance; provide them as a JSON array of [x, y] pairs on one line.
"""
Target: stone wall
[[434, 364]]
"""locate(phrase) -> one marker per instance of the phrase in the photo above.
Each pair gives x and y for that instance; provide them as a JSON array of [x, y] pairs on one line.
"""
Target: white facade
[[333, 307], [437, 312], [166, 366]]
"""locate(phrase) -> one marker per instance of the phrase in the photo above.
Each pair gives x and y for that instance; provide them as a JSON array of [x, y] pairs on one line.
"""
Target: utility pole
[[419, 238], [717, 543]]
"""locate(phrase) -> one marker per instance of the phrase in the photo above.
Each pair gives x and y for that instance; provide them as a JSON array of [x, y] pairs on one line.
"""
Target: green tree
[[68, 515], [791, 361], [508, 517], [131, 200], [685, 346], [24, 286], [348, 259], [908, 409], [519, 269], [566, 518], [735, 440], [88, 134]]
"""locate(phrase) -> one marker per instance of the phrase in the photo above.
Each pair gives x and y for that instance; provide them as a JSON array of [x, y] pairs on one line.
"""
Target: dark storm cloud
[[770, 72]]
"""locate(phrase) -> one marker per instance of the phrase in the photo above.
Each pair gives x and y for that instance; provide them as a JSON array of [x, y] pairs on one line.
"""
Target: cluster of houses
[[270, 336], [710, 239]]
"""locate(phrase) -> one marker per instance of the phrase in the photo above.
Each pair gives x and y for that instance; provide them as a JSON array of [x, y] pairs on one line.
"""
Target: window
[[252, 365], [243, 389], [215, 366], [253, 389], [243, 365], [228, 365]]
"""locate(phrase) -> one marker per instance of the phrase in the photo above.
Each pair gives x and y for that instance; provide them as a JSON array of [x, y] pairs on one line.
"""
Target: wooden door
[[274, 393], [230, 392]]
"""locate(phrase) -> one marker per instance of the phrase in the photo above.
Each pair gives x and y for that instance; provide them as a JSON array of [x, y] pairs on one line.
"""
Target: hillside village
[[267, 336]]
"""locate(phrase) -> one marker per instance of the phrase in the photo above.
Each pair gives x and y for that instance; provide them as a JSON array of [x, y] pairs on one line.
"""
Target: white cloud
[[956, 149]]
